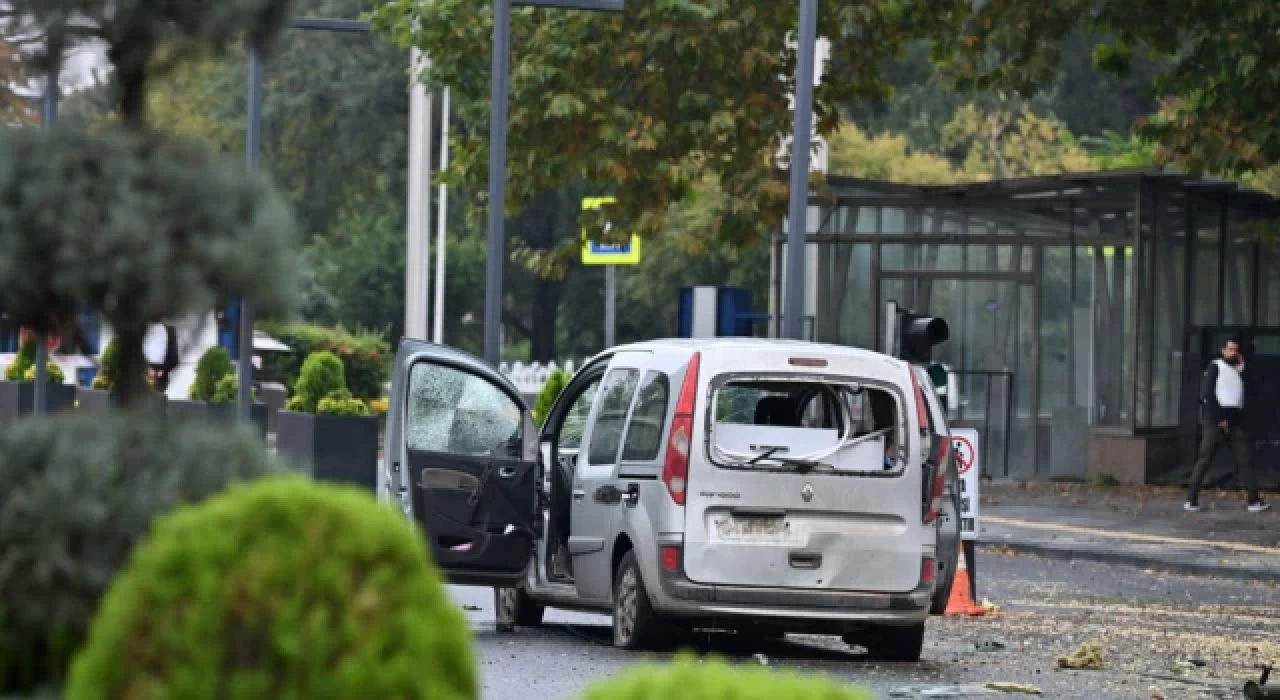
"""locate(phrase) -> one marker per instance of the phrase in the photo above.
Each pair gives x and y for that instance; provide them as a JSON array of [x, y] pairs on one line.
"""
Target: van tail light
[[938, 491], [675, 470], [922, 409], [928, 571], [671, 559]]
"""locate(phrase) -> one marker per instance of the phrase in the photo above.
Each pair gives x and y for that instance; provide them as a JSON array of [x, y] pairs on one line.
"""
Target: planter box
[[226, 413], [337, 448], [92, 400], [17, 399], [182, 409]]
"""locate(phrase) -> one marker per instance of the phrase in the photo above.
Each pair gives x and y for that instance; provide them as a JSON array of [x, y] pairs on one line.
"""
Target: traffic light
[[917, 334]]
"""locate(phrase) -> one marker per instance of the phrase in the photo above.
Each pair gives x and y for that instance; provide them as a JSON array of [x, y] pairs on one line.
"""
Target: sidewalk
[[1136, 526]]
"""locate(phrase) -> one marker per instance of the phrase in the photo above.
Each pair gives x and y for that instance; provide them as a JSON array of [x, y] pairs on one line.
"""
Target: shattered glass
[[459, 413]]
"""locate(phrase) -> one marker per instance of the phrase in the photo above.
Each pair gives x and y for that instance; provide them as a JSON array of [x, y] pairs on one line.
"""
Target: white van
[[754, 485]]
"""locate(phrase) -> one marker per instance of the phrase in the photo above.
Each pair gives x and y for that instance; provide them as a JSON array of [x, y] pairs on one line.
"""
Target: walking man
[[1222, 407]]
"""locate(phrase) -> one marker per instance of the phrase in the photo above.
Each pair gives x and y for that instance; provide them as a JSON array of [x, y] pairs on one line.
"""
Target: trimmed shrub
[[53, 374], [25, 358], [79, 491], [228, 390], [342, 403], [281, 589], [213, 367], [108, 367], [366, 357], [691, 679], [556, 382], [322, 375]]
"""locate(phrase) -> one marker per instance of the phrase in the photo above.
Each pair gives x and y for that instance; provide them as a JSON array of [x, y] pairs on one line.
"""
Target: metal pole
[[442, 221], [40, 395], [610, 301], [417, 289], [793, 318], [497, 182], [253, 147]]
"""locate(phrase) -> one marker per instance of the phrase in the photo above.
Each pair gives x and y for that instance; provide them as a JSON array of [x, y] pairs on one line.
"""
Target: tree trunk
[[546, 313], [131, 387]]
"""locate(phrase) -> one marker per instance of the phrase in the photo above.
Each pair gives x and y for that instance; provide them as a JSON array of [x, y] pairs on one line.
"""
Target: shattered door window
[[459, 413]]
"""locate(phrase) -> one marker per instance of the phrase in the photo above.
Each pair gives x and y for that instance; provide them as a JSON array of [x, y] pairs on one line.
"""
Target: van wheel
[[891, 643], [635, 624], [513, 607]]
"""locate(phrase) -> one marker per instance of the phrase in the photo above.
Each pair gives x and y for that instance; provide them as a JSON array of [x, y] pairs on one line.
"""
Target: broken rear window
[[785, 424]]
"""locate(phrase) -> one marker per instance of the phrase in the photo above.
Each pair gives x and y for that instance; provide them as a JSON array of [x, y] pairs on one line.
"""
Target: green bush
[[108, 367], [228, 390], [25, 358], [556, 382], [79, 491], [691, 679], [366, 357], [322, 375], [53, 374], [281, 589], [342, 403], [213, 367]]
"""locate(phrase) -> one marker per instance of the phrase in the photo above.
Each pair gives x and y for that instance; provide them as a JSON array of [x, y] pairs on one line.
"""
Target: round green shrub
[[556, 382], [53, 374], [342, 403], [228, 390], [281, 589], [213, 367], [322, 374], [691, 679], [79, 491]]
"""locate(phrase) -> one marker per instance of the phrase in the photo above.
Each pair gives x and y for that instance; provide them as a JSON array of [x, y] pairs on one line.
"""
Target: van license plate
[[753, 528]]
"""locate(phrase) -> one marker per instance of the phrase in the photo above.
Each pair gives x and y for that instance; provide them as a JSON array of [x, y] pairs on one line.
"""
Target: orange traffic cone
[[961, 603]]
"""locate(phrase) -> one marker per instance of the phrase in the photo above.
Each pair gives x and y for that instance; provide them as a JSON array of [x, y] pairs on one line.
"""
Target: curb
[[1236, 573]]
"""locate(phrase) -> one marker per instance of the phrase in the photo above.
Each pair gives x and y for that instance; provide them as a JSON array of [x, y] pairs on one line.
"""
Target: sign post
[[609, 255], [969, 465]]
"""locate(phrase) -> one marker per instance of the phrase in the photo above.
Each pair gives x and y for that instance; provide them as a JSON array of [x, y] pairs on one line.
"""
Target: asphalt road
[[1164, 636]]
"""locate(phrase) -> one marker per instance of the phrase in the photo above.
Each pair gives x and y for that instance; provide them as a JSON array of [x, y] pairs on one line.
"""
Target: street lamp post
[[498, 158], [798, 219], [253, 142], [40, 392]]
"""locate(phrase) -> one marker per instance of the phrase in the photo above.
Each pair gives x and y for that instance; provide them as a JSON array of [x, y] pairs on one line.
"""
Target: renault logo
[[807, 493]]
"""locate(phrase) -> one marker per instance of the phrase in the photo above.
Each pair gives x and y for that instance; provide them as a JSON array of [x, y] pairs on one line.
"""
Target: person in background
[[161, 348], [1222, 397]]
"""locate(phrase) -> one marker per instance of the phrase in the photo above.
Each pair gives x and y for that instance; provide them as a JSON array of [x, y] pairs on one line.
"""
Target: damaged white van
[[751, 485]]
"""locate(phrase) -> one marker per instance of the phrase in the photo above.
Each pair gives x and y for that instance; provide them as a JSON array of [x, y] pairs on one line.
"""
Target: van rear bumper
[[682, 597]]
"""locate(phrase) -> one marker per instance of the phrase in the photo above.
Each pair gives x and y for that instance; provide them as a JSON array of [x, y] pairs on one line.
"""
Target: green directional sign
[[938, 374]]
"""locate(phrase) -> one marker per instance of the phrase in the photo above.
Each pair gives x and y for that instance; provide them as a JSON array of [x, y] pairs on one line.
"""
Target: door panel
[[472, 475], [597, 497]]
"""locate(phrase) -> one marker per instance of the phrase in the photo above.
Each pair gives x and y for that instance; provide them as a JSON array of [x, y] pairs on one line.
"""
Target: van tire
[[512, 607], [636, 626], [893, 643]]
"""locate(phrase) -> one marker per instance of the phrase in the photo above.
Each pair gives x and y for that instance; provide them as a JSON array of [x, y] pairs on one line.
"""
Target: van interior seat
[[777, 410]]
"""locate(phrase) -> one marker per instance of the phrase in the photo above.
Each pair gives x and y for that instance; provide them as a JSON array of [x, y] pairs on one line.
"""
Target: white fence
[[530, 377]]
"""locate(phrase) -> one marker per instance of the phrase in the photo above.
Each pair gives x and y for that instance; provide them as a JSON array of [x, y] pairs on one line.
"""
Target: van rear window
[[847, 427]]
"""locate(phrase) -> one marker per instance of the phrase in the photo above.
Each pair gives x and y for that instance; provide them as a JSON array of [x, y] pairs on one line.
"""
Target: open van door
[[461, 459]]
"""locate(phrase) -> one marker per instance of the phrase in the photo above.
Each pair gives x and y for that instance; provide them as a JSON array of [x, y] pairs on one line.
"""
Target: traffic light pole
[[798, 217]]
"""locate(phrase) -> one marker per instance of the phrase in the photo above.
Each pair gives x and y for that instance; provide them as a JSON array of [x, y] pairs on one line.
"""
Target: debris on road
[[939, 691], [990, 607], [761, 659], [990, 645], [1088, 657], [1024, 688]]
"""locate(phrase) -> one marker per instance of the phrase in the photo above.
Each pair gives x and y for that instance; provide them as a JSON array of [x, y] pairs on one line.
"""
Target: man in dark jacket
[[1222, 407]]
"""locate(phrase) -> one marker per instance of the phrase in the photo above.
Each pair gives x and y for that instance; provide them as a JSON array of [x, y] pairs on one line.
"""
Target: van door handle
[[507, 472], [579, 494], [806, 560]]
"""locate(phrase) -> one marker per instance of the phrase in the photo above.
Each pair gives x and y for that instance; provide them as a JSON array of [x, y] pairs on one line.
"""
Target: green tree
[[647, 103], [1220, 87], [15, 108]]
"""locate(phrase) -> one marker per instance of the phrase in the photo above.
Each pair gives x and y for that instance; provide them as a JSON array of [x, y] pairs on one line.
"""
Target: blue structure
[[717, 312]]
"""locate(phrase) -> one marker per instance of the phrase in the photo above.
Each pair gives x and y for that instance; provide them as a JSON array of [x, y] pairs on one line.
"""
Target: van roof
[[822, 349]]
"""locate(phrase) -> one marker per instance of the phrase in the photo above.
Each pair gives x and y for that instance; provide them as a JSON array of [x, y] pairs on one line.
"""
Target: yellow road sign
[[596, 253]]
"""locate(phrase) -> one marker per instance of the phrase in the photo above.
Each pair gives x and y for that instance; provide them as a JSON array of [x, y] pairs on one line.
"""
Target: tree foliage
[[15, 108], [648, 102], [1220, 86]]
